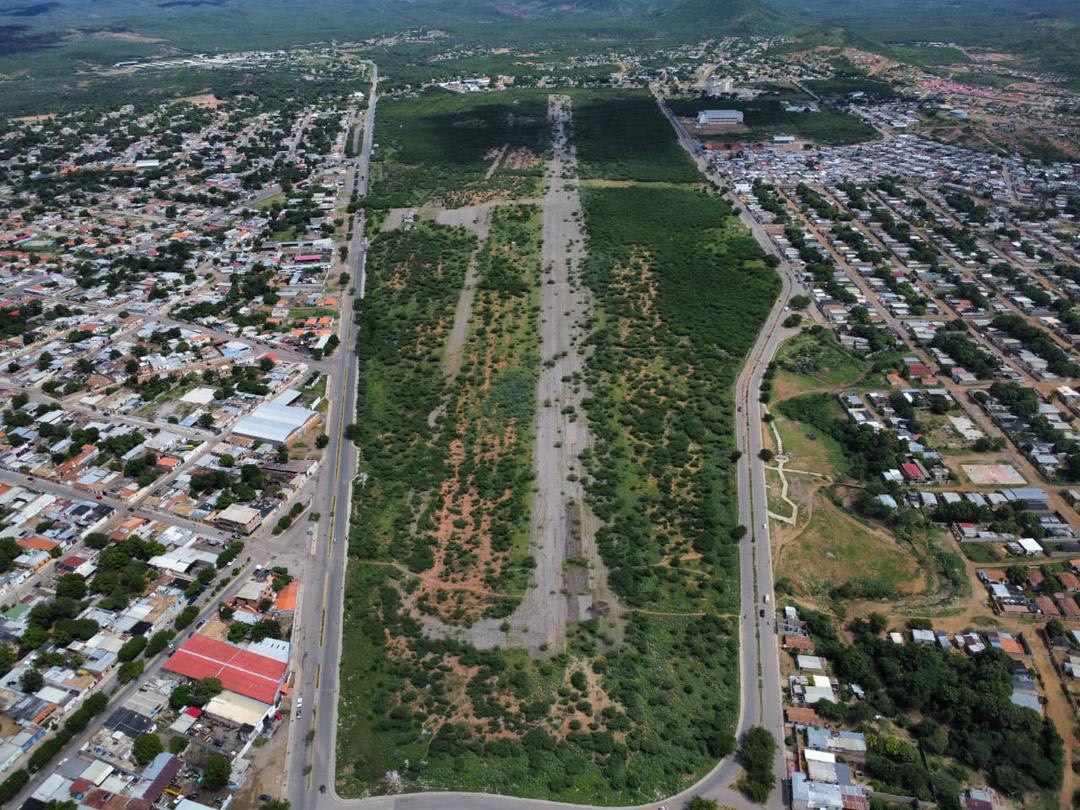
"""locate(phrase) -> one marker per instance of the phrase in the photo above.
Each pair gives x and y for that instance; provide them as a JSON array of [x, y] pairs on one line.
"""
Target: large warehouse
[[246, 673], [277, 423], [713, 117]]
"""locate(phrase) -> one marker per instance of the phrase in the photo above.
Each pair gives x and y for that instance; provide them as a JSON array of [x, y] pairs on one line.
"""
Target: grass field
[[835, 550], [813, 360]]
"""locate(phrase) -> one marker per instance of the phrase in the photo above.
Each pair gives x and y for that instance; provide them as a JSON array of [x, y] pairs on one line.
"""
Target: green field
[[622, 135]]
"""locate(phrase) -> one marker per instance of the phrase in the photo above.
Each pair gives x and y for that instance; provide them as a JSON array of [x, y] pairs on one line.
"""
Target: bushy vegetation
[[756, 752], [622, 135], [680, 293], [867, 453], [442, 143], [670, 249], [427, 444]]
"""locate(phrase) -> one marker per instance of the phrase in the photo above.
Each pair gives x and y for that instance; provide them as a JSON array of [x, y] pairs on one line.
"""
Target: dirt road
[[562, 525]]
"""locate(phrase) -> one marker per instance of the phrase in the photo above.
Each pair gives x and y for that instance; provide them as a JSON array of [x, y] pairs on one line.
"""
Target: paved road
[[317, 632], [759, 665]]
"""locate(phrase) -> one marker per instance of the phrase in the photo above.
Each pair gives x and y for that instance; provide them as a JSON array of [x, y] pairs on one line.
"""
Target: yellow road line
[[318, 675]]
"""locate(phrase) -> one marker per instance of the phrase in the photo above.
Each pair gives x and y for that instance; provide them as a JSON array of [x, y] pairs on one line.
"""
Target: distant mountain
[[231, 24], [969, 21]]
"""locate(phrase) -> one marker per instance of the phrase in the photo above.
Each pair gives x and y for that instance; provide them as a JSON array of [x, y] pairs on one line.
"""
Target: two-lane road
[[317, 631]]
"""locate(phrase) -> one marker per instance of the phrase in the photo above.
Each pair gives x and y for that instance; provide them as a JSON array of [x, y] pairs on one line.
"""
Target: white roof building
[[237, 709], [276, 423]]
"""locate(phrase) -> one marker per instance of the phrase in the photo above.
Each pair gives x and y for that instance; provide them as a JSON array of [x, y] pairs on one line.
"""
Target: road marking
[[318, 675], [322, 628]]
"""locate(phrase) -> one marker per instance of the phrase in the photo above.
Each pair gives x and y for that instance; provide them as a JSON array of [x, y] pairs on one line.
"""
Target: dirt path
[[480, 222], [562, 525], [495, 163], [1059, 709]]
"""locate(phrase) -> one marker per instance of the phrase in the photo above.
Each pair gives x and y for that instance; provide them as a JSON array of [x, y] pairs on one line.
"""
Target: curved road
[[312, 740]]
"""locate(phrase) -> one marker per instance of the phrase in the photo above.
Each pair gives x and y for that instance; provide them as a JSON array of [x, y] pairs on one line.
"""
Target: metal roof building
[[706, 117], [246, 673], [276, 423]]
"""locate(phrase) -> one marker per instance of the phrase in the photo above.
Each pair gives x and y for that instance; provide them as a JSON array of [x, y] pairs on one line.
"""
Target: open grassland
[[836, 553], [814, 359], [440, 146]]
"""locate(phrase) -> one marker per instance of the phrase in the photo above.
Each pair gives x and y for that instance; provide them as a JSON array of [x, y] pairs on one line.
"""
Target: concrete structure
[[707, 118], [239, 518]]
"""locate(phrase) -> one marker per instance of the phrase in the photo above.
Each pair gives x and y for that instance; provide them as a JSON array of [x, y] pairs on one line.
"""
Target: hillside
[[206, 25]]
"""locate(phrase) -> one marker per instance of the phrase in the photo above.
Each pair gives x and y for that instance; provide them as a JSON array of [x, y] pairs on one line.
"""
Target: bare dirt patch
[[206, 100]]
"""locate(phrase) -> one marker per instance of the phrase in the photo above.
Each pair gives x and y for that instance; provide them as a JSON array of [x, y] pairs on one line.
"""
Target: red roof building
[[912, 471], [246, 673], [1069, 580], [1046, 606]]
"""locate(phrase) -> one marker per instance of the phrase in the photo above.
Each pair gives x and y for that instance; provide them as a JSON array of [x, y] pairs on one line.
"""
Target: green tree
[[756, 755], [72, 586], [146, 747], [158, 642], [31, 680], [130, 671], [216, 772], [132, 648]]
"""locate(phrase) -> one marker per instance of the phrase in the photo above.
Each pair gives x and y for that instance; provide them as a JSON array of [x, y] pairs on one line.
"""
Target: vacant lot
[[836, 553], [644, 697]]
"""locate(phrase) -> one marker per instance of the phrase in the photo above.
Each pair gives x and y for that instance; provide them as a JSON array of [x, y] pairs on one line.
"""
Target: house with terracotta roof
[[285, 601], [1046, 606], [793, 641], [1069, 580], [72, 466], [38, 543], [1069, 608]]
